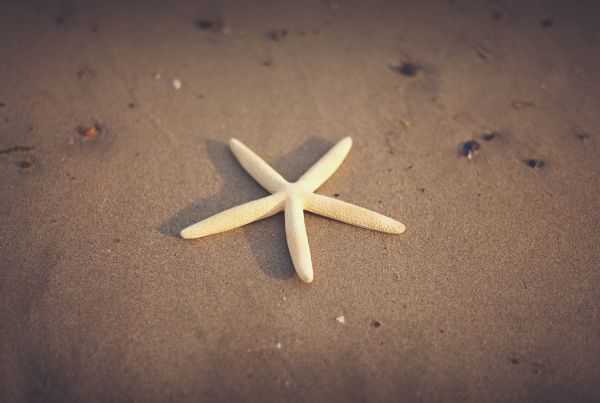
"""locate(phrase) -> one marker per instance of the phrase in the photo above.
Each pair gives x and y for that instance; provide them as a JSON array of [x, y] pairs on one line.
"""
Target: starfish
[[293, 199]]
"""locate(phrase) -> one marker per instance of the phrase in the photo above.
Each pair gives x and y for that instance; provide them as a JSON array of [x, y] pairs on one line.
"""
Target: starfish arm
[[297, 240], [236, 217], [351, 214], [257, 167], [326, 166]]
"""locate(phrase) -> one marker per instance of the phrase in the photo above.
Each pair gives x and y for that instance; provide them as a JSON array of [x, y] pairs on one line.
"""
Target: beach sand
[[492, 293]]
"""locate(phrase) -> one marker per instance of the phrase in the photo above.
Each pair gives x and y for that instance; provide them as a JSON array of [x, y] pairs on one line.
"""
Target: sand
[[492, 293]]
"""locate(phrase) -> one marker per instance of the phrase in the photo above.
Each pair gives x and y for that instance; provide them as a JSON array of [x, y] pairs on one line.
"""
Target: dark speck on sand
[[406, 69], [23, 164], [213, 25], [489, 136], [277, 35], [534, 163]]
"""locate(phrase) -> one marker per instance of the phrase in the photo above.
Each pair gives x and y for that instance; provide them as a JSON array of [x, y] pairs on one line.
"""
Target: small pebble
[[406, 69], [468, 148], [341, 319], [375, 323], [88, 132], [278, 346], [409, 69], [176, 83]]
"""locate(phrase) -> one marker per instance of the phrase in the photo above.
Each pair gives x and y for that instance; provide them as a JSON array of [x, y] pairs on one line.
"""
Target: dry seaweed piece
[[534, 163], [277, 34], [582, 135], [375, 323], [14, 149], [213, 25], [468, 148], [547, 22]]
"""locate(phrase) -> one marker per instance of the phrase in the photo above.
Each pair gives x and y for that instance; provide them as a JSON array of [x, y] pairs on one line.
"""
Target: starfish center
[[296, 191]]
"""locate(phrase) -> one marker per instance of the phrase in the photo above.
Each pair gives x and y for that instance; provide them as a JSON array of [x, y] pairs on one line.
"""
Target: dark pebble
[[468, 148], [536, 164], [24, 164]]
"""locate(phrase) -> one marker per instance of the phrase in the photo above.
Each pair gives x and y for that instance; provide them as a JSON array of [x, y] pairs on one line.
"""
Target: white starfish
[[293, 198]]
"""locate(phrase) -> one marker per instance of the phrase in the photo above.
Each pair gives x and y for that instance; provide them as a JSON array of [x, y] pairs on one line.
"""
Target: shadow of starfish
[[267, 237]]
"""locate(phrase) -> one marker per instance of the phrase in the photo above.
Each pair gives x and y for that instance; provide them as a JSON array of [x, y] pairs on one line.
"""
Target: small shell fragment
[[176, 83]]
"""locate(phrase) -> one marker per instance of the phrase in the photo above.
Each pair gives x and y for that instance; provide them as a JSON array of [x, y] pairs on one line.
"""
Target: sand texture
[[115, 119]]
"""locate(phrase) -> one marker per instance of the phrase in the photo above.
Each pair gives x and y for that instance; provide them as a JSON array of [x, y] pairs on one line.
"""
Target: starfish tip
[[307, 279], [186, 234], [400, 228]]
